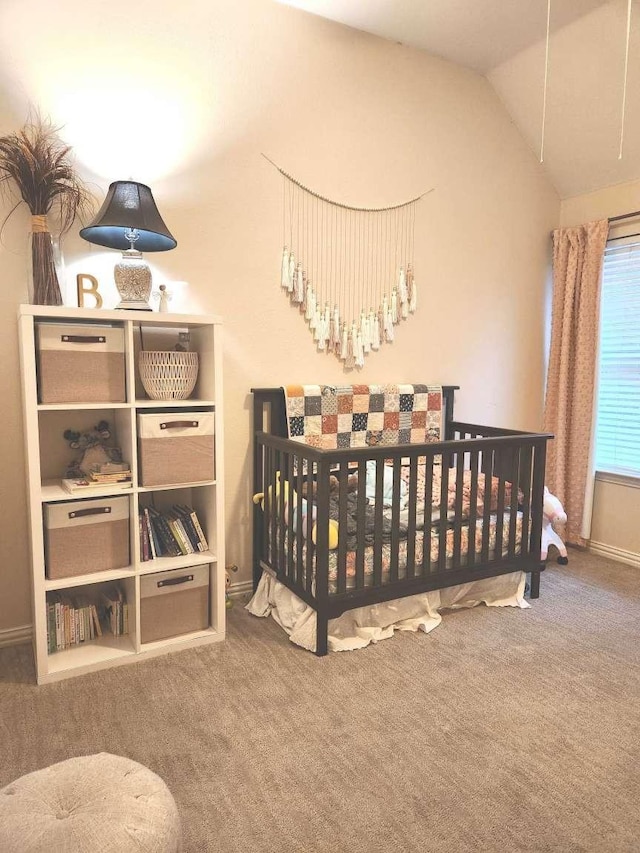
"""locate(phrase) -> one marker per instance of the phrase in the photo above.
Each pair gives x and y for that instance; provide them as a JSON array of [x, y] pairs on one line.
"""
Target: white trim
[[627, 480], [15, 636], [237, 590], [613, 553]]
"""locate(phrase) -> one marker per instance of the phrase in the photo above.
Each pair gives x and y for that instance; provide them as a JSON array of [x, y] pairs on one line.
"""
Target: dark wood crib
[[484, 486]]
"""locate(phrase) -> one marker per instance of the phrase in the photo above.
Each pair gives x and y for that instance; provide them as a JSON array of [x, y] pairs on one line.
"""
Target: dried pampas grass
[[37, 162]]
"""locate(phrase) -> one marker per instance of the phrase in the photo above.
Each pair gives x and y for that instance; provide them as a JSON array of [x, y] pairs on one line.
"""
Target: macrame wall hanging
[[349, 269]]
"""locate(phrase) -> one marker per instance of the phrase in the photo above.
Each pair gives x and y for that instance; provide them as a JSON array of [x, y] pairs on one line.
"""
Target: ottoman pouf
[[93, 804]]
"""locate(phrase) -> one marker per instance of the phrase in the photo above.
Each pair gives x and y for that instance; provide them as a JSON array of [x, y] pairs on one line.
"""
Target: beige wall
[[616, 501], [611, 201], [357, 118]]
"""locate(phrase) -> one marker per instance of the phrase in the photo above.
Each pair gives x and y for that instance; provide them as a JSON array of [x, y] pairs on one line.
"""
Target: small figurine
[[164, 297]]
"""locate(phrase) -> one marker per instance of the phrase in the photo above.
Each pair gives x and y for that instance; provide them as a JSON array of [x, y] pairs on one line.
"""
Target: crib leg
[[535, 585], [322, 634]]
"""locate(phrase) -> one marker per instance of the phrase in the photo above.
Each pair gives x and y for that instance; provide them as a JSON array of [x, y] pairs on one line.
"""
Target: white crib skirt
[[357, 628]]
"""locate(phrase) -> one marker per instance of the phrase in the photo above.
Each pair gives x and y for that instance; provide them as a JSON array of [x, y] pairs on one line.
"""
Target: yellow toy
[[228, 603], [333, 525]]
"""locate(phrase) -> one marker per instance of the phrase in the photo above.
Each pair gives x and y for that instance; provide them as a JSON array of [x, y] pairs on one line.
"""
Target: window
[[618, 415]]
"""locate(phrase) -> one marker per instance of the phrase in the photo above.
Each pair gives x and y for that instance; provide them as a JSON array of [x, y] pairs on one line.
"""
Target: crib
[[345, 528]]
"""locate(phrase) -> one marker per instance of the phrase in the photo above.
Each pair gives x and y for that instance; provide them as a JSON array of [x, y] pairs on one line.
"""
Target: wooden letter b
[[92, 290]]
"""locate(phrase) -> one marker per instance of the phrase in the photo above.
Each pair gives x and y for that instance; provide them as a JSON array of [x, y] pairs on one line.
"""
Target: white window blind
[[618, 414]]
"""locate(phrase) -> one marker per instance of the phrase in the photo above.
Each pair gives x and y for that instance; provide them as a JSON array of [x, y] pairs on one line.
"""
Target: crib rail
[[484, 485]]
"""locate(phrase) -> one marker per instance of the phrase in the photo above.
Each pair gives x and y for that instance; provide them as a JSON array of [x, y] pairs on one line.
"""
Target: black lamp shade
[[129, 205]]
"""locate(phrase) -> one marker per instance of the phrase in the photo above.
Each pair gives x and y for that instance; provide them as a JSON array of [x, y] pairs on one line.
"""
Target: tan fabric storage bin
[[174, 603], [80, 364], [86, 536], [176, 447]]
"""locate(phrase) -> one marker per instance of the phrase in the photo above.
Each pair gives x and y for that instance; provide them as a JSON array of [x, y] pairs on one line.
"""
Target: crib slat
[[321, 550], [473, 508], [280, 505], [288, 528], [298, 570], [310, 551], [499, 459], [360, 523], [525, 485], [395, 521], [428, 514], [487, 467], [412, 493], [343, 478], [457, 524], [378, 510], [278, 513], [513, 510], [270, 503], [444, 510], [537, 497]]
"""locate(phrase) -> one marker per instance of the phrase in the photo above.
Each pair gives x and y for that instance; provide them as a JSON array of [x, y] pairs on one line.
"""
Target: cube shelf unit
[[48, 454]]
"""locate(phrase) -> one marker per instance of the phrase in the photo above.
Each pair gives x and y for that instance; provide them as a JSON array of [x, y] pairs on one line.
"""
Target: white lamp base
[[133, 280]]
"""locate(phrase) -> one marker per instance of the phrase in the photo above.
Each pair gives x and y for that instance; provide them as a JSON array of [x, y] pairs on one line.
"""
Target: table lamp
[[130, 221]]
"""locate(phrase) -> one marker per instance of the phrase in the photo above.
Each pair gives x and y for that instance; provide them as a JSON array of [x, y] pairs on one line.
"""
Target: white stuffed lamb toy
[[553, 515]]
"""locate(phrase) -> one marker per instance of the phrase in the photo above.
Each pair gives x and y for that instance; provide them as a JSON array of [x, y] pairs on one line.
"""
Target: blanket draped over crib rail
[[336, 416]]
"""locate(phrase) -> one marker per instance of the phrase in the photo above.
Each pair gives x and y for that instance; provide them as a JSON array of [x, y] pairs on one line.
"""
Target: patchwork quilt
[[337, 416]]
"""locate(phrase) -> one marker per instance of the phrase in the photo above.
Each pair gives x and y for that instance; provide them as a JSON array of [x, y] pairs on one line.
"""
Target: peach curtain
[[578, 255]]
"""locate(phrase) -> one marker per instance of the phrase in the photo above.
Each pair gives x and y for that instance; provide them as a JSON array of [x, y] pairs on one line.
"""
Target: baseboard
[[619, 554], [15, 636], [239, 590]]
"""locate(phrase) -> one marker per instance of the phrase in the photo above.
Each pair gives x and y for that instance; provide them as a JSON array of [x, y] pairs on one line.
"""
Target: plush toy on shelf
[[95, 450], [553, 517]]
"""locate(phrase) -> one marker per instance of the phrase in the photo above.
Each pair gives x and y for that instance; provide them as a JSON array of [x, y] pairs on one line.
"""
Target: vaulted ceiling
[[505, 40]]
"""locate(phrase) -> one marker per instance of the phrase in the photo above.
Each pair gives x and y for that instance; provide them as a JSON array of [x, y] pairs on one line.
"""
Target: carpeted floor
[[503, 730]]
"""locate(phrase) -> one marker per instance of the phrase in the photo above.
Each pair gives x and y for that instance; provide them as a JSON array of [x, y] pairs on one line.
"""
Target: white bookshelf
[[47, 454]]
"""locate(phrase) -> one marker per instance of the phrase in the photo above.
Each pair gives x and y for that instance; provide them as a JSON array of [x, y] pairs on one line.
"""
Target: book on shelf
[[96, 621], [167, 543], [144, 542], [172, 533], [153, 542], [189, 518], [75, 619], [124, 477], [180, 534]]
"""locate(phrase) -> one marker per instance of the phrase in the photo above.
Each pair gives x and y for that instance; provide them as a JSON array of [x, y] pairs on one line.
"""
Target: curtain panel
[[578, 255]]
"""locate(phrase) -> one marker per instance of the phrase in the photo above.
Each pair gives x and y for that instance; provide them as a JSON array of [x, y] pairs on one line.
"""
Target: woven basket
[[168, 375]]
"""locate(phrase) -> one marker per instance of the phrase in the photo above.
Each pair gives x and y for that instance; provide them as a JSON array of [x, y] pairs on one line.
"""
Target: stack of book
[[173, 533], [75, 619], [112, 475], [75, 485]]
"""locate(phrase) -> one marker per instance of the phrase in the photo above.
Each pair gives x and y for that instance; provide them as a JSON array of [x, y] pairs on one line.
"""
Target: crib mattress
[[403, 548]]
